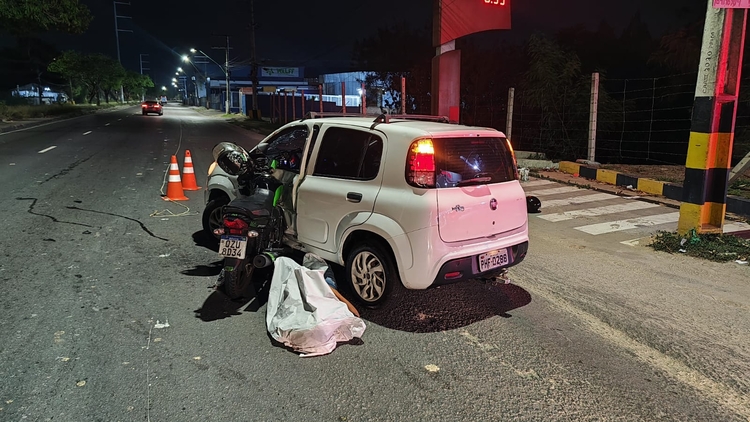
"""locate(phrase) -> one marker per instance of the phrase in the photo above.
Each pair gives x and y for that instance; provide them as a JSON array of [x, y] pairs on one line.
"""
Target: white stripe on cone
[[188, 170], [174, 178], [173, 166], [188, 160]]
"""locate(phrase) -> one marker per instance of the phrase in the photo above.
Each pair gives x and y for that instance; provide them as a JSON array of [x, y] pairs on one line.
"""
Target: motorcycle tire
[[236, 284]]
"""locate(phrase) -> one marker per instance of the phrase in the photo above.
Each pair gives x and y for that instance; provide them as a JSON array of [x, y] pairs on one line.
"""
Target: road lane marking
[[536, 183], [107, 124], [633, 223], [726, 396], [595, 212], [735, 227], [555, 191], [576, 200], [86, 133], [47, 149]]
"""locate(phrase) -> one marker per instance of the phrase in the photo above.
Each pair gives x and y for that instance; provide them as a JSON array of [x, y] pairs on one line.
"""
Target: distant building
[[31, 93]]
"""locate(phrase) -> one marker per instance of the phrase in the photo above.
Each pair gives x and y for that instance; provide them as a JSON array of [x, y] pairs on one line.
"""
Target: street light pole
[[226, 71], [117, 39]]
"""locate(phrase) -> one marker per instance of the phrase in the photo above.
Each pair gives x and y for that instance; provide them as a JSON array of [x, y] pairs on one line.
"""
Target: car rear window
[[472, 161]]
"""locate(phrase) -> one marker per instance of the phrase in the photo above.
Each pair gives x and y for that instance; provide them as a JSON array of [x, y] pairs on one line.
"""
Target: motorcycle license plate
[[494, 259], [232, 247]]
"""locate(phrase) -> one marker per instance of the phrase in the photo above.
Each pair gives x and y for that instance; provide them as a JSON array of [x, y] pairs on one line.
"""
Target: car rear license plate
[[232, 247], [493, 259]]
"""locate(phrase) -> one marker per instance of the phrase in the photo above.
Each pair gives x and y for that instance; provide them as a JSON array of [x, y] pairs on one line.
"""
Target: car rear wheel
[[371, 273], [212, 215]]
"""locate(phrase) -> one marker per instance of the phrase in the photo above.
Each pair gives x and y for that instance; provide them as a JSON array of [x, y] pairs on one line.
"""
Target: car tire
[[161, 114], [212, 215], [371, 274]]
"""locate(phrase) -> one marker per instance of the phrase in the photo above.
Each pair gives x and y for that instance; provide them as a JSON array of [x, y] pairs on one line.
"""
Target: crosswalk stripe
[[633, 223], [554, 191], [594, 212], [576, 200], [538, 182], [735, 227]]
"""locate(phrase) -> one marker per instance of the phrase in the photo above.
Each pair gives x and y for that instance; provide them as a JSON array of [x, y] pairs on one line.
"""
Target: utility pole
[[227, 102], [140, 56], [117, 39], [709, 154], [254, 59]]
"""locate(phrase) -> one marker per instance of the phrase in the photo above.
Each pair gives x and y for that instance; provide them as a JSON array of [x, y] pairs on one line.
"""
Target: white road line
[[47, 149], [633, 223], [735, 227], [536, 183], [86, 133], [554, 191], [107, 124], [576, 200], [594, 212]]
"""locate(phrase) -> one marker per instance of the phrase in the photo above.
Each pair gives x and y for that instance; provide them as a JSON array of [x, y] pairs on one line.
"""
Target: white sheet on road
[[304, 314]]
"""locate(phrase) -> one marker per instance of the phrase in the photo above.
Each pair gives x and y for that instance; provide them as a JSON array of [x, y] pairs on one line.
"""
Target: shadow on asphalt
[[447, 307], [212, 269], [205, 241], [218, 305], [443, 307]]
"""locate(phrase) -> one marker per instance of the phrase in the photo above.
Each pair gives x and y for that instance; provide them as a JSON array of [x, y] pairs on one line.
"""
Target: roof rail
[[386, 118], [318, 114]]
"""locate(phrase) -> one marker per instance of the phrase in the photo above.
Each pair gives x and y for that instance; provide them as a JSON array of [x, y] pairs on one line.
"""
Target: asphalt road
[[108, 312]]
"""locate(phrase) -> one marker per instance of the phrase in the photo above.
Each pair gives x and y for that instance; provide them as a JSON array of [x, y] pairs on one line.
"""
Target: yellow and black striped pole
[[709, 155]]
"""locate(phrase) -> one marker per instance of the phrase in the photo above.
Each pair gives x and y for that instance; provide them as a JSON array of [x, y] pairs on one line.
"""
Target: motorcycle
[[253, 224]]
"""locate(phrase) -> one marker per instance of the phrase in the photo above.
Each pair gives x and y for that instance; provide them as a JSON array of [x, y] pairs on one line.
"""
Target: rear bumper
[[436, 258], [467, 268]]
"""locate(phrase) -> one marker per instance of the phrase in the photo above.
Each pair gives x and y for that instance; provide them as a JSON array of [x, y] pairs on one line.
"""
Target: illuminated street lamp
[[185, 58], [163, 88], [179, 69], [174, 79], [224, 68]]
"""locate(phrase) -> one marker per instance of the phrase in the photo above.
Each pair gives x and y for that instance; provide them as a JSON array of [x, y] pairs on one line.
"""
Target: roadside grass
[[740, 187], [712, 247], [23, 112], [261, 126]]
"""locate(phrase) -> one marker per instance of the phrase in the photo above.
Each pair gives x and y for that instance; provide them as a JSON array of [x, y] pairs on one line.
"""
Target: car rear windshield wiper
[[474, 180]]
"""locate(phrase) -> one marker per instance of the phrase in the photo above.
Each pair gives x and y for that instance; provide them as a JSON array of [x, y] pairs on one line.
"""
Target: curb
[[735, 204], [23, 125]]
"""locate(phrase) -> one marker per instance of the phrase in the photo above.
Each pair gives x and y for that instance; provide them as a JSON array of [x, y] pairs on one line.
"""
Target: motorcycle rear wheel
[[237, 283]]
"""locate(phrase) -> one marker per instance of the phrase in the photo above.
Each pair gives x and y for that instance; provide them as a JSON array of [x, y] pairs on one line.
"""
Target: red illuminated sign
[[458, 18]]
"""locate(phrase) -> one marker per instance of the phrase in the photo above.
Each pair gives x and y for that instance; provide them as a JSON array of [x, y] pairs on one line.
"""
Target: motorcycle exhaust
[[264, 260]]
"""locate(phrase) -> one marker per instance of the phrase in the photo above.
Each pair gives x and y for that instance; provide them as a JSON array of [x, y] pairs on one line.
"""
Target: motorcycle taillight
[[235, 226]]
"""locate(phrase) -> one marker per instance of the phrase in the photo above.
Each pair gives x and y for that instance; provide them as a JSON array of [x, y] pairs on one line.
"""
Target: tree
[[96, 73], [136, 85], [25, 17], [69, 65]]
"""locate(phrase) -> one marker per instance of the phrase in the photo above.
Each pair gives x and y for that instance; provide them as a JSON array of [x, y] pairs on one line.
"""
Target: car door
[[341, 185]]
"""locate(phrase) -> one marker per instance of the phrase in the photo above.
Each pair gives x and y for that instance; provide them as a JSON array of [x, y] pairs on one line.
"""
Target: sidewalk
[[654, 191]]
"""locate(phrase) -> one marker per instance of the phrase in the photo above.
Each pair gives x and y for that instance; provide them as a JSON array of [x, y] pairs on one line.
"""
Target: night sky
[[304, 33]]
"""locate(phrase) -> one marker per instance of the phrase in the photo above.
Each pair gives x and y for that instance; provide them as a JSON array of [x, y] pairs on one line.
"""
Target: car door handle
[[353, 197]]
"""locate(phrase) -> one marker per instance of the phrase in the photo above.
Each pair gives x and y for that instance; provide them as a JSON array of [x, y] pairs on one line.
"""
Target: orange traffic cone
[[188, 173], [174, 187]]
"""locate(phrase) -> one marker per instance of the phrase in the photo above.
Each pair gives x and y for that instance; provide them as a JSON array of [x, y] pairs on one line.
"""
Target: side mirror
[[262, 147]]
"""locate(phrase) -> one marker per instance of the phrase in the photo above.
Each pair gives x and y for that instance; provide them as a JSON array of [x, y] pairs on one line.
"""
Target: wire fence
[[639, 121]]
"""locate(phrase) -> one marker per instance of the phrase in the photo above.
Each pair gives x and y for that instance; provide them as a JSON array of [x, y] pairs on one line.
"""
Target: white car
[[397, 199]]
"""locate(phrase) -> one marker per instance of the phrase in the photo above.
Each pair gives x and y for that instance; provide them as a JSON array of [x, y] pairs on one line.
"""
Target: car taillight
[[235, 226], [421, 163]]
